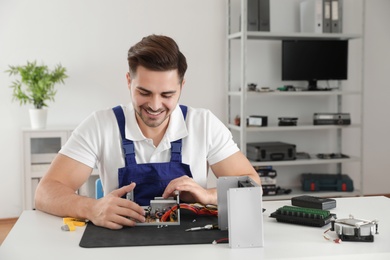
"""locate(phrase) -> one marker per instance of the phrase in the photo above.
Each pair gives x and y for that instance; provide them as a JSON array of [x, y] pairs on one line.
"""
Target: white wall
[[376, 166], [91, 38]]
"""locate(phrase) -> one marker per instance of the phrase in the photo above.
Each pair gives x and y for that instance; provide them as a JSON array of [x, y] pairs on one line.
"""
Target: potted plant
[[36, 87]]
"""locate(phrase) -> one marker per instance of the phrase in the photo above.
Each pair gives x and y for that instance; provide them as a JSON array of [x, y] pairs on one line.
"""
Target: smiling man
[[153, 146]]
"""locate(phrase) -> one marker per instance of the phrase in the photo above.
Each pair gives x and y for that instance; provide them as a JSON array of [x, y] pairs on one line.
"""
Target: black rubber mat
[[95, 236]]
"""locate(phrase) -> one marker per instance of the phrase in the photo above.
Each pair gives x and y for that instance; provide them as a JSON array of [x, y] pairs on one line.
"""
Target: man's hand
[[114, 212], [190, 191]]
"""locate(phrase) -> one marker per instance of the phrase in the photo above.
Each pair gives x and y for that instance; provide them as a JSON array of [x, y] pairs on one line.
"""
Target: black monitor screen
[[314, 60]]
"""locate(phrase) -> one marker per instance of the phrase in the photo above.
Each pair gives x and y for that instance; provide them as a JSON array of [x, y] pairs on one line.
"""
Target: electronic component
[[303, 156], [288, 121], [351, 229], [307, 201], [164, 212], [286, 88], [257, 121], [160, 211], [267, 174], [331, 119], [240, 211], [265, 89], [331, 156], [302, 216], [130, 195], [252, 87], [269, 189]]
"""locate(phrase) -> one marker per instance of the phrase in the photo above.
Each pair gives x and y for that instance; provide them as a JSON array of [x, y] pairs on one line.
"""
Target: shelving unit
[[241, 45], [39, 147], [251, 35]]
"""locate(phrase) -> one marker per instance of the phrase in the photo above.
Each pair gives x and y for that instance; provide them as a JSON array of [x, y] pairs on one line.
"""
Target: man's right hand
[[114, 212], [56, 194]]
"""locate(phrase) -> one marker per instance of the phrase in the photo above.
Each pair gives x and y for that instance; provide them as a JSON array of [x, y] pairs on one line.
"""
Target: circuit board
[[303, 216], [162, 212]]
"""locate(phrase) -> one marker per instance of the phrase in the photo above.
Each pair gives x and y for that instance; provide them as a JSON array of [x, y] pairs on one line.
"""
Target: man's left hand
[[190, 191]]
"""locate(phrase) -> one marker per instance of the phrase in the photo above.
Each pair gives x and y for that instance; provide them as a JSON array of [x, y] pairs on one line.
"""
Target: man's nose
[[155, 102]]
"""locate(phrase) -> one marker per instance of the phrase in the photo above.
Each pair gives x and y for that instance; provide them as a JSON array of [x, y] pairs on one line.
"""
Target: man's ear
[[128, 77], [183, 83]]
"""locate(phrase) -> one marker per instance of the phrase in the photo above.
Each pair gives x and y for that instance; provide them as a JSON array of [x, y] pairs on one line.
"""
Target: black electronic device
[[287, 121], [307, 201], [303, 156], [268, 179], [331, 119], [271, 151], [267, 175], [331, 156], [269, 189], [313, 60], [255, 120]]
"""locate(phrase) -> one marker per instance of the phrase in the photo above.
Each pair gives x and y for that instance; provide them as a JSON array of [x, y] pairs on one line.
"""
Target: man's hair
[[157, 53]]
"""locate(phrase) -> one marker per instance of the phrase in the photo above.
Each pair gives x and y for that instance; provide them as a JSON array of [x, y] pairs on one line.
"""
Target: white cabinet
[[255, 57], [39, 147]]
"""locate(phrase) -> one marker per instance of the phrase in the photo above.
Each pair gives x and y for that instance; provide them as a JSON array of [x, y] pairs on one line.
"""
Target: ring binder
[[311, 16], [336, 16], [326, 12]]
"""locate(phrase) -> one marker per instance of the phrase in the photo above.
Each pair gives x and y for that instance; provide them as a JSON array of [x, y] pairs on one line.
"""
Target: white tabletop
[[38, 235]]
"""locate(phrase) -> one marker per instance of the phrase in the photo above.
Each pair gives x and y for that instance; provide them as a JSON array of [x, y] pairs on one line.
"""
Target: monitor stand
[[319, 89], [313, 86]]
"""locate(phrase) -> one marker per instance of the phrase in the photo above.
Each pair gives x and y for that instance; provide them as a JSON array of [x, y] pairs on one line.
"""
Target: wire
[[220, 240], [327, 237], [196, 208]]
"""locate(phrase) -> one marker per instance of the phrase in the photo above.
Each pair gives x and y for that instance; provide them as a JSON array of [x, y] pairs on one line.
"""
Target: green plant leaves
[[36, 84]]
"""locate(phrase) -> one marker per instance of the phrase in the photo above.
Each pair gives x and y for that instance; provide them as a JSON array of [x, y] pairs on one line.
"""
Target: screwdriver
[[207, 227]]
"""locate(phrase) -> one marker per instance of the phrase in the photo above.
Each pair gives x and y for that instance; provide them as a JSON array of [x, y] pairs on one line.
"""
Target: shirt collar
[[177, 128]]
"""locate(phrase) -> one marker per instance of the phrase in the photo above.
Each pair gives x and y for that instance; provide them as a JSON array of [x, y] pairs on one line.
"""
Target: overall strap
[[176, 145], [128, 145]]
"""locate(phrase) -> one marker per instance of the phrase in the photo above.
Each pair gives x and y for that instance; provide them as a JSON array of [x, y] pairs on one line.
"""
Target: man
[[152, 147]]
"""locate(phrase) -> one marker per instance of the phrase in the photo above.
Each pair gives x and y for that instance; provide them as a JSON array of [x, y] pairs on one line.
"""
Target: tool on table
[[71, 223], [207, 227]]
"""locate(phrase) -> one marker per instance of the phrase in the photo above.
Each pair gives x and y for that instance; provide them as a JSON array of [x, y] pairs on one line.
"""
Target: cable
[[196, 208], [325, 235]]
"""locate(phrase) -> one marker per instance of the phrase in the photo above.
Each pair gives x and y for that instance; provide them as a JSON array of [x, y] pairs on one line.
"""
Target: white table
[[38, 235]]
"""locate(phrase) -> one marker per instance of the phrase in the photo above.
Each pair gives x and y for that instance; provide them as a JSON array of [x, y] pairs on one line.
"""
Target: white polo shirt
[[96, 142]]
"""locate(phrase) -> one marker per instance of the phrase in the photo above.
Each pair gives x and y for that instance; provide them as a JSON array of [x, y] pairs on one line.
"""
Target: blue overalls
[[151, 178]]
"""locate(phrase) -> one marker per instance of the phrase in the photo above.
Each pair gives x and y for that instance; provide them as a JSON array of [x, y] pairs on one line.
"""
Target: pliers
[[71, 223]]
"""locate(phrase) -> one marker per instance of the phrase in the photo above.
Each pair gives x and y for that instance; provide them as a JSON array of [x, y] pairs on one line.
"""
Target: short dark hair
[[157, 53]]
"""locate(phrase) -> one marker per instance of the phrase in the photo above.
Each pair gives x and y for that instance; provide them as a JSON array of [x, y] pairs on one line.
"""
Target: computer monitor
[[313, 60]]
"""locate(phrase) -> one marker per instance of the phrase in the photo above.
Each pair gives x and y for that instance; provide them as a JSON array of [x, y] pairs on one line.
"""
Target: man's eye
[[167, 96], [144, 93]]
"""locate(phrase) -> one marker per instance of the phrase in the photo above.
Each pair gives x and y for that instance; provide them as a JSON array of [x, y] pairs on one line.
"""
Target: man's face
[[154, 94]]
